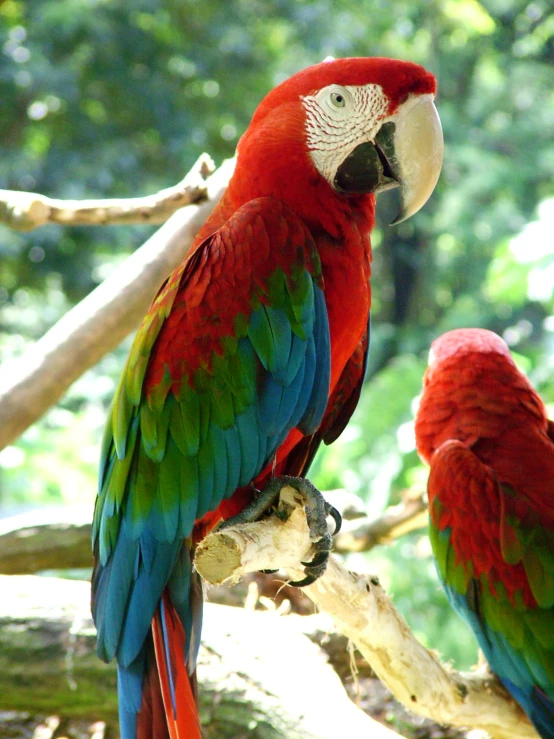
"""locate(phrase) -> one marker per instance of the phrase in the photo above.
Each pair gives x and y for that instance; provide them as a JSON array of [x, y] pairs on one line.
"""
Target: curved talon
[[335, 515], [308, 580], [319, 559]]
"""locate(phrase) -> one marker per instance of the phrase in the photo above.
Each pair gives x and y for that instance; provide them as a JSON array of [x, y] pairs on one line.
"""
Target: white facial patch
[[338, 119]]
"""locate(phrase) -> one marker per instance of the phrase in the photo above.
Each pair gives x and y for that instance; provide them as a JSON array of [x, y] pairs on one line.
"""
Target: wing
[[496, 561], [233, 354], [341, 406]]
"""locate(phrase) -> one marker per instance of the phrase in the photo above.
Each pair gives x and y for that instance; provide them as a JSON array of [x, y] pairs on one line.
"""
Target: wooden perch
[[365, 614], [259, 676], [31, 384], [27, 210]]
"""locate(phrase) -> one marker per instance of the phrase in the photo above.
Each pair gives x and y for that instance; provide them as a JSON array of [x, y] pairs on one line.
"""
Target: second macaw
[[485, 433], [251, 354]]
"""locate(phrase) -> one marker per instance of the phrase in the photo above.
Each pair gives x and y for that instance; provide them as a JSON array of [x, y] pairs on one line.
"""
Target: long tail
[[157, 692], [177, 687]]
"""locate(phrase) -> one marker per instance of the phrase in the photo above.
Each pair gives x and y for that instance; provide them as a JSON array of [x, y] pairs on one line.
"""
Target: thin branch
[[362, 535], [28, 210], [363, 612], [101, 321]]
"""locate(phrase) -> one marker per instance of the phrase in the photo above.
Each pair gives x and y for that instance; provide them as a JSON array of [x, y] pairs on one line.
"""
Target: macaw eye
[[338, 100]]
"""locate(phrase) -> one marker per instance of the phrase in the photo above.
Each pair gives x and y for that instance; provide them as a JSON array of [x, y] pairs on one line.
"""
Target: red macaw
[[231, 372], [485, 433]]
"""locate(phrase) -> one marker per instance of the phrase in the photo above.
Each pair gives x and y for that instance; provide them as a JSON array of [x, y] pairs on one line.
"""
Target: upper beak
[[407, 152], [416, 159]]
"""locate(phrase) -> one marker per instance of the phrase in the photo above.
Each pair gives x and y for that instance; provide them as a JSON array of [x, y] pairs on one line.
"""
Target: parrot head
[[472, 390], [456, 347], [345, 130]]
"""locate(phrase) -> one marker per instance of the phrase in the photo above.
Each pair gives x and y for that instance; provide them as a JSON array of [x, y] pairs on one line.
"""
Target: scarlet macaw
[[231, 372], [485, 433]]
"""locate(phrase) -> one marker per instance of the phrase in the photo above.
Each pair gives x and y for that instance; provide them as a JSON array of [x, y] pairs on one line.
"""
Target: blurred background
[[102, 100]]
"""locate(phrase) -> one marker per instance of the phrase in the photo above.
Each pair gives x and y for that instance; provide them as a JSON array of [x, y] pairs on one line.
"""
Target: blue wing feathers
[[279, 325], [167, 656], [306, 375], [296, 358], [247, 428], [232, 445], [129, 688], [143, 599], [219, 465], [189, 495], [320, 390], [116, 577], [179, 585], [147, 551], [206, 458], [261, 337]]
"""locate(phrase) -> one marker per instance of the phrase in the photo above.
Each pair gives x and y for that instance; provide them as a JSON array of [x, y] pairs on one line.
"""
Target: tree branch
[[364, 613], [48, 539], [362, 535], [28, 210], [101, 321]]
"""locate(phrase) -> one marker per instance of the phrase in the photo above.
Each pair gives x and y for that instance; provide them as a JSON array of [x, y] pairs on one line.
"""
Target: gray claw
[[317, 510]]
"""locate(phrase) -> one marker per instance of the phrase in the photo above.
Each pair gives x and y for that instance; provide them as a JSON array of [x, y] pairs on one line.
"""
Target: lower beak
[[407, 153]]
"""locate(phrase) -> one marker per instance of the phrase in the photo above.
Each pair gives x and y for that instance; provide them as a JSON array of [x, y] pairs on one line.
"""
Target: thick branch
[[28, 210], [49, 539], [364, 613], [101, 321], [250, 685], [362, 535]]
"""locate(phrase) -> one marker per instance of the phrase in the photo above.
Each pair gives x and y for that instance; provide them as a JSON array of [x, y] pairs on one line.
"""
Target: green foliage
[[98, 96]]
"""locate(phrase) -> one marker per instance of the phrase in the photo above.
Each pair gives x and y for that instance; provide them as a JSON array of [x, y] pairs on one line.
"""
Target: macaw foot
[[317, 509]]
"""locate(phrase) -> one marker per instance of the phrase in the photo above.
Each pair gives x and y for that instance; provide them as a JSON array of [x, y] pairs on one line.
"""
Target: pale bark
[[34, 382], [363, 612], [28, 210]]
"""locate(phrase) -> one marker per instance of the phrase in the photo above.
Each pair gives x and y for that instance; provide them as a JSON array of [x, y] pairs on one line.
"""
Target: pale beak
[[418, 149], [406, 153]]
